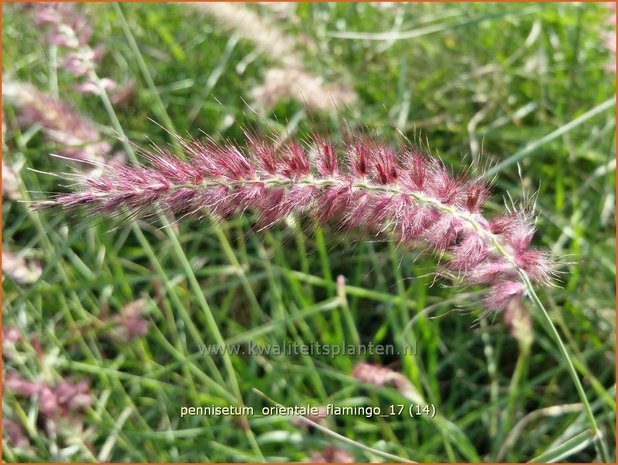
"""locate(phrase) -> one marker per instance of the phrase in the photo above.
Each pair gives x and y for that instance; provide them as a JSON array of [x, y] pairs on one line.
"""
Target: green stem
[[167, 121], [344, 439], [193, 282], [596, 432], [549, 137]]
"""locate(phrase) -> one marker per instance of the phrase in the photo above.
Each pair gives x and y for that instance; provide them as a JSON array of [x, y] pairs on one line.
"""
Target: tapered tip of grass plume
[[358, 184]]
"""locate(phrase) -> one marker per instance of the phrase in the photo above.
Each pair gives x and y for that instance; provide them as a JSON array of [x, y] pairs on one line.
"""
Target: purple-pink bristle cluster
[[363, 184], [67, 27]]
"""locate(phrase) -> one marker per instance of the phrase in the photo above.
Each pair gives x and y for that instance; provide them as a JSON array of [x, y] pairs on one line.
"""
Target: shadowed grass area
[[518, 91]]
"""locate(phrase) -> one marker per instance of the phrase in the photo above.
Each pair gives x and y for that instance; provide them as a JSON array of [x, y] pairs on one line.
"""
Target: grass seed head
[[365, 185]]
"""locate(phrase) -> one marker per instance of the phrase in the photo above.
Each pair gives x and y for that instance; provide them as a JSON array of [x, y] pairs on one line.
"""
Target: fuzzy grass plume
[[77, 136], [70, 30], [289, 79], [362, 184], [302, 86], [253, 27]]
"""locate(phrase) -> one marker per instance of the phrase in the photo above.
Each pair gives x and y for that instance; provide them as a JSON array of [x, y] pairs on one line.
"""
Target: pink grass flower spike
[[361, 185], [77, 136]]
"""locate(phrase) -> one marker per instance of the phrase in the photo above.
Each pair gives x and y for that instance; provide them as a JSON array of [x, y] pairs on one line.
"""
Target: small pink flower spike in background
[[70, 30], [371, 187], [76, 135]]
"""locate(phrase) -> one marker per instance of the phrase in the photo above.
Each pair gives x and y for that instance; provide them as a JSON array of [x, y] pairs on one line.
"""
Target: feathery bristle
[[413, 196]]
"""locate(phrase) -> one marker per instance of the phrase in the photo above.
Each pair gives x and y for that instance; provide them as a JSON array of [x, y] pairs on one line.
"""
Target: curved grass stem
[[595, 431]]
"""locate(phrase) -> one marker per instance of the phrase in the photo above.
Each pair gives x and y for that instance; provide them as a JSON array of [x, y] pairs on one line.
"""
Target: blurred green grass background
[[477, 83]]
